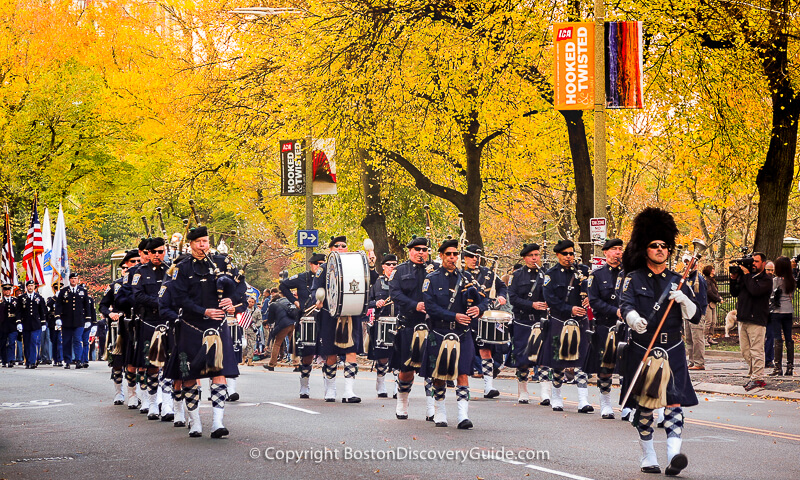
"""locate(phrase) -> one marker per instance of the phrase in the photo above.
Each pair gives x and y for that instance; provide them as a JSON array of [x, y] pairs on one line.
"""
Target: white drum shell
[[347, 283], [386, 331], [308, 331]]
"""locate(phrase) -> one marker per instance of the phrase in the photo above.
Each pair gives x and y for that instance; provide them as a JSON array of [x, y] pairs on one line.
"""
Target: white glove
[[44, 327], [244, 342], [636, 322], [19, 327], [688, 308], [87, 324], [58, 323]]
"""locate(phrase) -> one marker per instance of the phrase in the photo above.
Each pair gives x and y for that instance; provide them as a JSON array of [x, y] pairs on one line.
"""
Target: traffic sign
[[597, 229], [308, 238]]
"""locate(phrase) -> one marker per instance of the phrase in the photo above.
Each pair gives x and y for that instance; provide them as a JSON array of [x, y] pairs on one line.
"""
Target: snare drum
[[493, 327], [387, 327], [347, 283], [308, 332]]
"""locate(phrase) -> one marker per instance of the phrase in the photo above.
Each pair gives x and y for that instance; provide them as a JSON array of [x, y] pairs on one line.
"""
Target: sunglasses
[[390, 264], [420, 249], [567, 254], [339, 245], [450, 254], [656, 245], [157, 252], [318, 263]]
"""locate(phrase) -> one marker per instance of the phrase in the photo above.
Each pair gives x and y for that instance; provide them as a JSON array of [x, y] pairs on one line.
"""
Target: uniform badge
[[117, 287], [625, 285], [392, 274], [136, 279], [125, 278], [425, 285], [546, 280], [162, 290], [175, 274], [108, 289], [589, 283], [510, 279], [292, 277]]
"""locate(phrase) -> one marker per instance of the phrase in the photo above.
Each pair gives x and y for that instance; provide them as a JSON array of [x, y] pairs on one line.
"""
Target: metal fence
[[729, 302]]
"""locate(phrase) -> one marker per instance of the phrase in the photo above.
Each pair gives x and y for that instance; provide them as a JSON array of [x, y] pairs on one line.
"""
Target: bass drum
[[347, 283]]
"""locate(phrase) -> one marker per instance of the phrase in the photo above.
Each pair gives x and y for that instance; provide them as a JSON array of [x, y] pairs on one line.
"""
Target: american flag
[[245, 318], [34, 249], [8, 272]]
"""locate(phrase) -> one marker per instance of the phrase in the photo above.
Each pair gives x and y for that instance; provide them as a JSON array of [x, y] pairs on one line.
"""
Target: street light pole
[[600, 170]]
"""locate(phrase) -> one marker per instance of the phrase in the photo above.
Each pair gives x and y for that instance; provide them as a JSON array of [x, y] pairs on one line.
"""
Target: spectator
[[769, 338], [781, 310], [695, 333], [712, 292], [753, 289], [250, 332], [283, 315]]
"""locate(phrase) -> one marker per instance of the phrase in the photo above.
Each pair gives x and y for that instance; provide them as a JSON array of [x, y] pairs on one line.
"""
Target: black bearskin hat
[[650, 224]]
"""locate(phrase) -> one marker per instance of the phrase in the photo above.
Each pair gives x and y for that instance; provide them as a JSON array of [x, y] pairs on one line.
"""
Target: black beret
[[388, 257], [472, 250], [317, 257], [143, 244], [155, 243], [611, 243], [417, 242], [528, 248], [335, 240], [30, 282], [73, 275], [448, 244], [128, 256], [563, 245], [197, 232], [516, 266]]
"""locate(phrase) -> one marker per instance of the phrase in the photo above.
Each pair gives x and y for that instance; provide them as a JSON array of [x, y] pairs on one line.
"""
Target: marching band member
[[8, 325], [378, 295], [526, 294], [405, 288], [453, 299], [301, 283], [605, 306], [114, 312], [566, 342], [174, 406], [203, 346], [485, 277], [125, 300], [328, 326], [664, 382]]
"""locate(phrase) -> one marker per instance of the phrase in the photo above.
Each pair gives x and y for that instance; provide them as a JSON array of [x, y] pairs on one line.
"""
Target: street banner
[[60, 256], [46, 290], [324, 166], [573, 68], [293, 167], [624, 65]]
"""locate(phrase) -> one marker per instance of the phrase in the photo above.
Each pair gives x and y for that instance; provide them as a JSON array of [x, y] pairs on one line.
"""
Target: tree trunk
[[374, 221], [584, 181]]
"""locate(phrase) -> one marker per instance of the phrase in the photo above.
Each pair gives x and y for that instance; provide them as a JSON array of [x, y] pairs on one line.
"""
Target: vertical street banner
[[624, 65], [324, 166], [573, 68], [293, 167]]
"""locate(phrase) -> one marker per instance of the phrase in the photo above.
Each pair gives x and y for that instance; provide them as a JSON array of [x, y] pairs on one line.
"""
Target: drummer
[[564, 285], [378, 298], [486, 278], [327, 336]]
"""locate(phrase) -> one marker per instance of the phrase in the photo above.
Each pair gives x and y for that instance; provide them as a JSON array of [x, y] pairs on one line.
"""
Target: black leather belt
[[663, 338], [445, 325]]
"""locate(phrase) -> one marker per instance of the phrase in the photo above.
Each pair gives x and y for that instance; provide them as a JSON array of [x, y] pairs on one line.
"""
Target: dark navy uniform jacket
[[559, 296], [8, 315], [124, 297], [438, 289], [602, 288], [108, 303], [405, 288], [32, 312], [484, 276], [195, 286], [521, 297], [641, 291], [379, 290], [302, 283], [74, 309], [167, 308], [146, 284]]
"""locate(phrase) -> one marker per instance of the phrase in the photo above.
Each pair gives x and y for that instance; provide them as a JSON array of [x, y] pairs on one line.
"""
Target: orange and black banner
[[573, 69], [293, 167]]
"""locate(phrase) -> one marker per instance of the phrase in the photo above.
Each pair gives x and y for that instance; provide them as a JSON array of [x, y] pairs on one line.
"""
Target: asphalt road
[[57, 423]]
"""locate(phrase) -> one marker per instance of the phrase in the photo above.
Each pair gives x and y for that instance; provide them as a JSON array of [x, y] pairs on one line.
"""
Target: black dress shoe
[[607, 416], [168, 417], [651, 469], [271, 369], [118, 402], [133, 407], [78, 365], [85, 365], [558, 409], [545, 402], [522, 401], [441, 424], [429, 419], [351, 400], [195, 434], [401, 417], [303, 395], [586, 409], [465, 424], [152, 416], [492, 394], [394, 396], [383, 395], [179, 424], [677, 464], [66, 366], [233, 397], [219, 433], [27, 367], [330, 399]]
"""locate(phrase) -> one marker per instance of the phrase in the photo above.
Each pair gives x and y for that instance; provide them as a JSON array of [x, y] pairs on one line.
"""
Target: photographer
[[753, 287]]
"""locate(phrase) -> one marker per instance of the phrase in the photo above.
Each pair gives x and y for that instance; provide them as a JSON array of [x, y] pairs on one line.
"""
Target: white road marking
[[546, 470], [293, 408], [50, 402], [734, 400]]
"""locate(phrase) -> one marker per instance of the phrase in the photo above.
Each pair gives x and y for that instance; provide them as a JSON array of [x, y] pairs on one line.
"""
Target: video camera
[[746, 261]]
